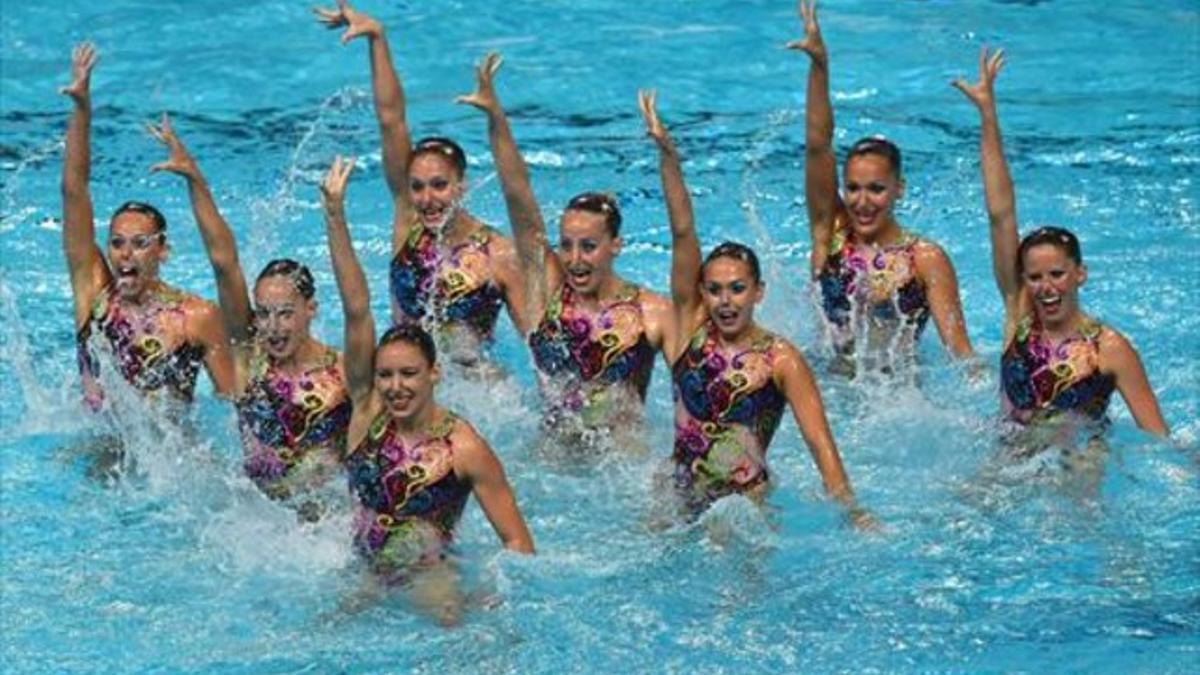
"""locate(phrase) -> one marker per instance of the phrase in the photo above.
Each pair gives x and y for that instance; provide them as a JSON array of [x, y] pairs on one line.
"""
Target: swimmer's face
[[730, 293], [870, 191], [1052, 279], [282, 317], [435, 188], [586, 250], [135, 250], [404, 379]]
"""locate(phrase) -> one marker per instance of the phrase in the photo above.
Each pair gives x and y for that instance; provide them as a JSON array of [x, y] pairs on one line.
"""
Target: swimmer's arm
[[997, 181], [685, 245], [1122, 360], [795, 379], [476, 463], [508, 272], [941, 287], [218, 238], [820, 163], [359, 355], [208, 329], [89, 273], [538, 263], [389, 106]]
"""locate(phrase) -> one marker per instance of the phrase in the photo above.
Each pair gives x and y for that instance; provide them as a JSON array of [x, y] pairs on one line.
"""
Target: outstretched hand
[[484, 96], [647, 101], [812, 44], [83, 59], [333, 186], [357, 24], [179, 161], [981, 93]]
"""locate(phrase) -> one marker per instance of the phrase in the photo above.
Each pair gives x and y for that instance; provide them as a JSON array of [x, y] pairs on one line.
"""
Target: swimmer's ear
[[435, 373], [311, 304], [900, 188], [617, 243], [760, 292], [1081, 274]]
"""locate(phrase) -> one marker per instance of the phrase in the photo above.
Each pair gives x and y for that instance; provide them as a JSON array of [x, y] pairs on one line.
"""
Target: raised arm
[[89, 273], [539, 265], [389, 106], [820, 163], [352, 285], [997, 182], [685, 245], [218, 239], [475, 461]]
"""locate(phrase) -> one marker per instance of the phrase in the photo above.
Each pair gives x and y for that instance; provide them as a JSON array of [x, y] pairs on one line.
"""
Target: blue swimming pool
[[182, 566]]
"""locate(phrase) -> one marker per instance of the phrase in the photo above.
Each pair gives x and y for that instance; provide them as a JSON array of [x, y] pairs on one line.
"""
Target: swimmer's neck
[[886, 236], [146, 297], [458, 230], [607, 290], [1059, 330], [418, 422], [741, 339], [308, 353]]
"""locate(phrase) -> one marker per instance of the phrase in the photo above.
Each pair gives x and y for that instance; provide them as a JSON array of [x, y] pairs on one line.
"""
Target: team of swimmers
[[308, 413]]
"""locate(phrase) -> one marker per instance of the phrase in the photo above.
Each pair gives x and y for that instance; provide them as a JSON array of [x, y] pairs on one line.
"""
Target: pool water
[[180, 565]]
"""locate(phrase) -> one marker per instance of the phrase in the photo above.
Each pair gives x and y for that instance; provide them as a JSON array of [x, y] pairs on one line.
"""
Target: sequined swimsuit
[[293, 425], [137, 346], [454, 288], [409, 496], [880, 285], [1042, 380], [591, 361], [727, 408]]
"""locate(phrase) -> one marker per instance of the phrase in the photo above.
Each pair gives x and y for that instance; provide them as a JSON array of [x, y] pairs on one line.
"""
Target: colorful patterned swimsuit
[[293, 425], [137, 345], [409, 496], [1042, 380], [590, 362], [441, 291], [879, 285], [727, 408]]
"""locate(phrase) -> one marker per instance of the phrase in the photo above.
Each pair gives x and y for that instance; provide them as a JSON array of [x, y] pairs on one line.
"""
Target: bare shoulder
[[929, 252], [654, 303], [1114, 345]]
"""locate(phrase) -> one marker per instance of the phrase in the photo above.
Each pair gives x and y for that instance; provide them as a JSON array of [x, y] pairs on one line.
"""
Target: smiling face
[[435, 188], [136, 248], [730, 293], [282, 317], [1052, 279], [871, 189], [586, 249], [404, 379]]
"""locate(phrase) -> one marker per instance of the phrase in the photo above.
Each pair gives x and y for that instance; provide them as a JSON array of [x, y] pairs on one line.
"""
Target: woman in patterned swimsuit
[[157, 336], [732, 378], [879, 283], [449, 271], [1059, 365], [595, 334], [289, 390], [411, 464]]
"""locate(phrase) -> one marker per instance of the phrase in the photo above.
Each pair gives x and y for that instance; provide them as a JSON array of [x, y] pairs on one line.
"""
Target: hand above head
[[812, 44], [83, 59], [333, 186], [648, 101], [981, 93], [484, 96], [179, 160], [357, 24]]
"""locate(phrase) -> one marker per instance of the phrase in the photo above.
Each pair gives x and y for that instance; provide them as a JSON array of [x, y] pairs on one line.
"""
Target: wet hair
[[732, 249], [160, 221], [601, 203], [412, 334], [295, 272], [877, 145], [1057, 237], [443, 147]]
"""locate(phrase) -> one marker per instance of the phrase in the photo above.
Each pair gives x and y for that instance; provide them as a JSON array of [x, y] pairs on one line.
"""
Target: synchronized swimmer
[[309, 414]]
